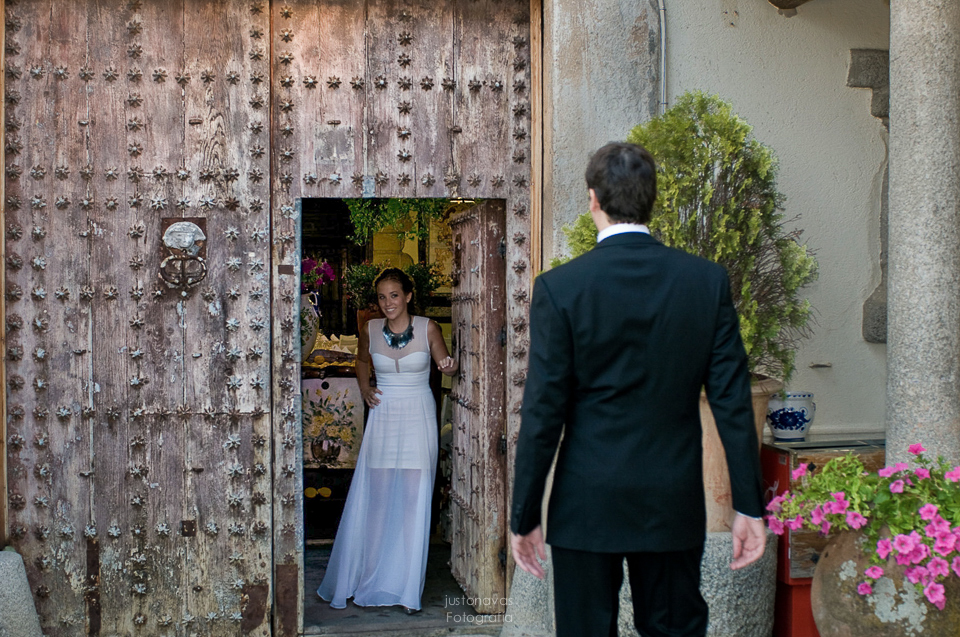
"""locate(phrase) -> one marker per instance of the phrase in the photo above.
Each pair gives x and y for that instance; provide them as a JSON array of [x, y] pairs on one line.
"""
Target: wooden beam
[[536, 137], [3, 312], [787, 4]]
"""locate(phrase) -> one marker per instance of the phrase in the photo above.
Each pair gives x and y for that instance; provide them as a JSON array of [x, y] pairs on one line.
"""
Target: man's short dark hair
[[624, 177]]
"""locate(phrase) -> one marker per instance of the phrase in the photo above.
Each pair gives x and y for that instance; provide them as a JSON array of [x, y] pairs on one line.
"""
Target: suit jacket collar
[[627, 239]]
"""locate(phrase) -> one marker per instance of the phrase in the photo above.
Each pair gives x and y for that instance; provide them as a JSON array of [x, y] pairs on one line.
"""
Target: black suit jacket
[[623, 339]]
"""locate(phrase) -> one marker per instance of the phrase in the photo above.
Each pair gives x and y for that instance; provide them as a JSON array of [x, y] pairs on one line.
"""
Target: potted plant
[[358, 283], [426, 277], [893, 565]]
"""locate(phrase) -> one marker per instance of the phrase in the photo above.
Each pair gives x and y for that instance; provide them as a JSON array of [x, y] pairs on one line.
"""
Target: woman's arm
[[363, 369], [438, 349]]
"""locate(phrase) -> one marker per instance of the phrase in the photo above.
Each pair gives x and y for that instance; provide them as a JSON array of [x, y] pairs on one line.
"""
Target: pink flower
[[953, 475], [838, 506], [799, 472], [955, 565], [934, 593], [775, 525], [922, 473], [774, 504], [864, 588], [928, 511], [795, 524], [938, 567], [896, 486], [874, 572], [901, 466], [855, 520], [936, 526], [919, 553], [886, 472], [945, 543], [825, 527], [816, 516], [914, 574], [883, 548], [903, 543], [916, 449]]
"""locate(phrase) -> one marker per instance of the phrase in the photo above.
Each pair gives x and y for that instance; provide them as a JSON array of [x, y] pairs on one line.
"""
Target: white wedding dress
[[379, 556]]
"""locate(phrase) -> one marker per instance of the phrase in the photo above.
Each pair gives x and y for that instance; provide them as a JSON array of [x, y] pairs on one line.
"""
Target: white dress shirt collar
[[620, 228]]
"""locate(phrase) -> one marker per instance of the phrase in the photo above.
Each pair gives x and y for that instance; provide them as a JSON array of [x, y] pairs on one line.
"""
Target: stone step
[[18, 615]]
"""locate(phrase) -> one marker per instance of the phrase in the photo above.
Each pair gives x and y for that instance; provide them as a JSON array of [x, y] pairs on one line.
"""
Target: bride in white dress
[[379, 556]]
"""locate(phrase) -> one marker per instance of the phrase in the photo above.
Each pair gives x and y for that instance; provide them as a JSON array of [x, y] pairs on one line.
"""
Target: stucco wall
[[787, 77]]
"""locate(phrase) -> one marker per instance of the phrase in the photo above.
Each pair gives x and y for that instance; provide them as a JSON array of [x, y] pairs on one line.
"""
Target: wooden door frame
[[536, 259], [3, 293], [536, 138]]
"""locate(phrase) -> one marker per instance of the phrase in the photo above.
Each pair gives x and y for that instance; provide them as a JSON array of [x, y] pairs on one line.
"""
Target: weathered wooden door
[[478, 481], [141, 459]]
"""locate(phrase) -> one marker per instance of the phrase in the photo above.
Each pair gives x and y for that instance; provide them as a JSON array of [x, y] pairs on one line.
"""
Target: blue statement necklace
[[398, 341]]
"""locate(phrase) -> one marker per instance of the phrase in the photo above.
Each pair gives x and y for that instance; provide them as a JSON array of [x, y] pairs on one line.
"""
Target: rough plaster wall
[[601, 73], [787, 77]]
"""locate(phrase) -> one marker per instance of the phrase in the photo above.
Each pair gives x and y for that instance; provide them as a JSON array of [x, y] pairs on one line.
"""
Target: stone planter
[[895, 609], [716, 478]]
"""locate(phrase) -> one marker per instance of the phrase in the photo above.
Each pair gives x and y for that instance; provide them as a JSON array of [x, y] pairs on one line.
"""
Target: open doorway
[[345, 244]]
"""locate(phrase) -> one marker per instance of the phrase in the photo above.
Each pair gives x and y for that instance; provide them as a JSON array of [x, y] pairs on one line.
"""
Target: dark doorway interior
[[327, 235]]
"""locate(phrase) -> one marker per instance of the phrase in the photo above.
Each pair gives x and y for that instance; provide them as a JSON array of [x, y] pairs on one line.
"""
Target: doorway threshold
[[444, 605]]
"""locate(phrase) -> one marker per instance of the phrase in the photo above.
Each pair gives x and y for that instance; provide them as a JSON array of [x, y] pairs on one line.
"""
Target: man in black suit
[[623, 339]]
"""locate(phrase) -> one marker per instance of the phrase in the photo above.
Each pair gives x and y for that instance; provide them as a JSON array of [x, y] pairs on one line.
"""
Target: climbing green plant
[[717, 198], [409, 217]]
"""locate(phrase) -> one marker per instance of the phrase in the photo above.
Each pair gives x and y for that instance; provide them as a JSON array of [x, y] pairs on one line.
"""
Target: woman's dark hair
[[624, 177], [401, 277]]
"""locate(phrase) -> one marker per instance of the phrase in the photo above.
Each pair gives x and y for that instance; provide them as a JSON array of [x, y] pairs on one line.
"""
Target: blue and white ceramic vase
[[309, 324], [789, 414]]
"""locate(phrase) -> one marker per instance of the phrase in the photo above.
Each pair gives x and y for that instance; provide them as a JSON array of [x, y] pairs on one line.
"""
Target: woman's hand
[[447, 365], [370, 396]]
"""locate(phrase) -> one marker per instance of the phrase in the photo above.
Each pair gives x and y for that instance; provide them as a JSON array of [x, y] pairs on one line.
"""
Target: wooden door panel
[[478, 483], [144, 470], [48, 384]]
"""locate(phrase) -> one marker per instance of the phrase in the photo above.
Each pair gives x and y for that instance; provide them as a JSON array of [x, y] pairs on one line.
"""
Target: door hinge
[[502, 248], [503, 444], [503, 336], [503, 558]]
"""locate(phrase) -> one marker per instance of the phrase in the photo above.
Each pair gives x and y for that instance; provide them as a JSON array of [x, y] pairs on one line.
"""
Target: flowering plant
[[908, 513], [313, 275]]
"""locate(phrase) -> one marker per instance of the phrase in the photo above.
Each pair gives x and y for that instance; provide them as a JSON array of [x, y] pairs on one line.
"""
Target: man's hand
[[526, 549], [749, 540]]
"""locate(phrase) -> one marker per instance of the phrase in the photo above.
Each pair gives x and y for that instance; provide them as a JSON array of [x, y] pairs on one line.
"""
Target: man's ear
[[594, 202]]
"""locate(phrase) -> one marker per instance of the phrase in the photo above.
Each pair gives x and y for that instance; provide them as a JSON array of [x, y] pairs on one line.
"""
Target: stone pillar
[[601, 67], [923, 339]]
